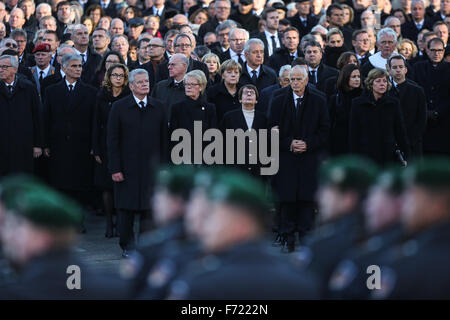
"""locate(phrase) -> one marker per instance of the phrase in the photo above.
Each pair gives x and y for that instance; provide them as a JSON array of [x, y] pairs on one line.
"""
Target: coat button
[[203, 108]]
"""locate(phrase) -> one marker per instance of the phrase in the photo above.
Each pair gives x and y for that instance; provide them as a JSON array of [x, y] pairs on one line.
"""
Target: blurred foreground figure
[[37, 234], [237, 262]]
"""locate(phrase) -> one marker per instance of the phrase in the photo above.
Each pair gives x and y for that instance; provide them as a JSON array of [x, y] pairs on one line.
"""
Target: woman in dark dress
[[377, 129], [345, 59], [108, 59], [194, 107], [349, 87], [115, 87], [224, 95]]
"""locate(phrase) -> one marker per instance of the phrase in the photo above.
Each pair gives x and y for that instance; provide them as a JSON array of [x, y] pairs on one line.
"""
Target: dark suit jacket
[[91, 65], [303, 30], [262, 36], [208, 26], [267, 77], [168, 93], [323, 73], [281, 58], [48, 81], [162, 72], [151, 73], [410, 31]]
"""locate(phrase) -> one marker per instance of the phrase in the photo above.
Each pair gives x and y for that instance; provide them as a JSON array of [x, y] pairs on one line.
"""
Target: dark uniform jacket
[[137, 143]]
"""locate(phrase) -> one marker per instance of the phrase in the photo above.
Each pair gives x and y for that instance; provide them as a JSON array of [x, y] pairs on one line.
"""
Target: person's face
[[183, 46], [187, 4], [152, 24], [406, 50], [397, 70], [200, 18], [436, 52], [255, 57], [179, 20], [7, 72], [272, 21], [442, 32], [303, 8], [49, 24], [222, 10], [223, 38], [28, 8], [336, 41], [132, 52], [298, 81], [22, 43], [117, 27], [386, 45], [192, 88], [117, 78], [42, 59], [197, 212], [231, 76], [16, 19], [63, 52], [281, 15], [95, 15], [284, 79], [352, 60], [406, 5], [395, 25], [248, 97], [313, 55], [135, 31], [379, 209], [64, 13], [319, 39], [445, 6], [2, 31], [80, 36], [120, 44], [73, 69], [237, 41], [209, 40], [143, 51], [336, 18], [416, 202], [11, 44], [2, 11], [112, 58], [129, 14], [141, 85], [367, 19], [291, 40], [51, 40], [156, 48], [169, 45], [164, 207], [15, 235], [100, 40], [355, 79], [88, 24], [211, 64], [316, 6], [176, 68], [400, 17], [328, 199], [380, 86], [418, 11], [372, 37], [104, 23], [346, 18]]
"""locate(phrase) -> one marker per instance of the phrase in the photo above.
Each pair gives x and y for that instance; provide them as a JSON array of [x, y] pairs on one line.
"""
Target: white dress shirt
[[138, 100], [269, 41]]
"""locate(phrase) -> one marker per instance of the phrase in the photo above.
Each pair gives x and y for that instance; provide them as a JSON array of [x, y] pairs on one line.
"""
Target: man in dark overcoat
[[20, 120], [137, 142], [304, 128]]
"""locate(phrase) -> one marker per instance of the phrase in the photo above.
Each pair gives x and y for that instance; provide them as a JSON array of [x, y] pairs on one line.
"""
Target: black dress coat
[[280, 58], [222, 99], [20, 127], [266, 77], [296, 179], [91, 65], [323, 73], [236, 120], [377, 128], [68, 124], [104, 101], [162, 71], [410, 31], [137, 143]]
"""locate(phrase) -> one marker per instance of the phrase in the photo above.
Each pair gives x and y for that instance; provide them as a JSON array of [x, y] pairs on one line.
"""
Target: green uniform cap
[[348, 173], [178, 180], [241, 189], [27, 197], [391, 180], [433, 173]]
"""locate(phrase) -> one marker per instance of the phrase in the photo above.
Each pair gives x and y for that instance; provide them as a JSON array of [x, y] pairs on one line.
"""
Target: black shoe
[[278, 241], [126, 254]]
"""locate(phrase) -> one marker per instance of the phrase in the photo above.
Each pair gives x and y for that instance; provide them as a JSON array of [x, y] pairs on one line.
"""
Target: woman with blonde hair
[[212, 61], [407, 48]]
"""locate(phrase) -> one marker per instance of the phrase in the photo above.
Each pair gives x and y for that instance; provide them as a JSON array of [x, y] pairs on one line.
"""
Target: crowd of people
[[95, 96]]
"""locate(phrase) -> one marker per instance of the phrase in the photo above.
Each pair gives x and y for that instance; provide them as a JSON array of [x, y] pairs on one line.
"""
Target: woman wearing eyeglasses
[[193, 108], [115, 87]]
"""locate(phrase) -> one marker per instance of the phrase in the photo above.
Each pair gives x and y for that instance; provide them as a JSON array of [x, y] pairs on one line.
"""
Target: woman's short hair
[[344, 77], [250, 87], [212, 56], [375, 74], [197, 75], [229, 65], [413, 46], [352, 13], [107, 80], [196, 12], [344, 58]]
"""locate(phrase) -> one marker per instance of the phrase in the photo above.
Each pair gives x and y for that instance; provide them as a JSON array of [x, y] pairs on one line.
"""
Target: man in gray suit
[[43, 56]]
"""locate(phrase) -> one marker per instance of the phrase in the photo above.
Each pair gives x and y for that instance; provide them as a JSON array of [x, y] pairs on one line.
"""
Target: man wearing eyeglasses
[[433, 75], [20, 121], [222, 9], [183, 44], [361, 45], [155, 50]]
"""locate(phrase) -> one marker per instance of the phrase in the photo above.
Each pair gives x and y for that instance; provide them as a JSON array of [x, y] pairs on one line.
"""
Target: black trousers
[[296, 217], [126, 226]]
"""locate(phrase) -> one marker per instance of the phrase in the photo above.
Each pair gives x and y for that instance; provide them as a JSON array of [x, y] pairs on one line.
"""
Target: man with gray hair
[[411, 29], [43, 10], [395, 24], [68, 114], [20, 120], [222, 10], [238, 37], [137, 141], [223, 37], [90, 59], [254, 71]]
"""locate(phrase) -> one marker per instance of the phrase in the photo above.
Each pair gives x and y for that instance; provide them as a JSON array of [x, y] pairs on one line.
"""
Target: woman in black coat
[[224, 95], [349, 87], [376, 128], [109, 58], [345, 59], [193, 108], [115, 87]]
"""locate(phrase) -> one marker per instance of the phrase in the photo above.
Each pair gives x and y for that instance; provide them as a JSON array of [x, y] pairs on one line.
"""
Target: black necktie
[[82, 58], [297, 106], [254, 77], [312, 77], [274, 44], [241, 62], [10, 88], [70, 88], [142, 104], [41, 76]]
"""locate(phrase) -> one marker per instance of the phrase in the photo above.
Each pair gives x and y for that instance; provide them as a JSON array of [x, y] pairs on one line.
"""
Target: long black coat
[[222, 99], [435, 81], [20, 127], [137, 141], [91, 65], [376, 127], [296, 179], [68, 124], [414, 110], [104, 101], [236, 120], [169, 93]]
